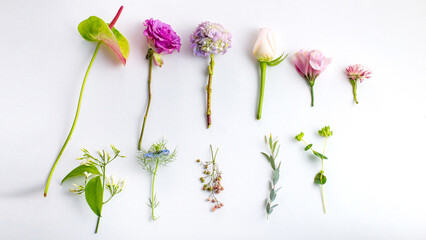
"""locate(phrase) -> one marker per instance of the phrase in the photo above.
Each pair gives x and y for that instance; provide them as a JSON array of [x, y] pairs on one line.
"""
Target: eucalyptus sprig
[[96, 30], [213, 177], [320, 178], [95, 181], [275, 149], [157, 155]]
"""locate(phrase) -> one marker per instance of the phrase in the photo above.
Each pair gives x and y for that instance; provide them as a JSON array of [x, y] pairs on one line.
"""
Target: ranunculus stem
[[209, 91], [262, 88], [354, 88], [149, 56], [75, 120], [312, 93]]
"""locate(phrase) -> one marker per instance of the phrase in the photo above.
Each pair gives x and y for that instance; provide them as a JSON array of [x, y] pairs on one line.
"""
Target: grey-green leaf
[[94, 195], [319, 155], [271, 161], [80, 170], [274, 206], [268, 208], [276, 175], [308, 147], [272, 195], [320, 180]]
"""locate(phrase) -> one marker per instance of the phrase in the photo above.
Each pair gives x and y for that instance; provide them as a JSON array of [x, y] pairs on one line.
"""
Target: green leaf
[[274, 206], [272, 195], [320, 178], [270, 142], [80, 170], [271, 161], [268, 208], [94, 195], [275, 145], [308, 147], [276, 175], [319, 155], [95, 29]]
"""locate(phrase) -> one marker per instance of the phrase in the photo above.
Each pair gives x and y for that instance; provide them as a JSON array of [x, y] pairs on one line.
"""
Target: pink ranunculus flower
[[357, 72], [310, 64], [161, 37]]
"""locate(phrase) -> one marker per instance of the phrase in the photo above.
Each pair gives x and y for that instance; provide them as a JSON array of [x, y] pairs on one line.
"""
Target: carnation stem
[[149, 56], [311, 83], [262, 88], [153, 200], [354, 87], [75, 120], [209, 91]]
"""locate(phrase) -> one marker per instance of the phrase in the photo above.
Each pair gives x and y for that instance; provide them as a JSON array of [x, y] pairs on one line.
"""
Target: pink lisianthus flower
[[310, 64], [357, 72]]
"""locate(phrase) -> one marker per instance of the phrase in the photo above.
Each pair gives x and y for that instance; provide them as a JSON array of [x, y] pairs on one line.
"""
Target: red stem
[[111, 25]]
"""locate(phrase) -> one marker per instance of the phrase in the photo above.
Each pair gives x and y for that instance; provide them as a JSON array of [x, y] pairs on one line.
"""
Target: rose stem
[[149, 55], [78, 105], [209, 91], [152, 190], [262, 88], [354, 85]]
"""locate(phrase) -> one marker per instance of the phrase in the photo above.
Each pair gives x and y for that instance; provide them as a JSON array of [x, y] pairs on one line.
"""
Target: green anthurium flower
[[95, 29]]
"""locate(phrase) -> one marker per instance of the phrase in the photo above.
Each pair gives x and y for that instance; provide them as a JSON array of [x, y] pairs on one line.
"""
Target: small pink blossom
[[357, 72], [310, 64]]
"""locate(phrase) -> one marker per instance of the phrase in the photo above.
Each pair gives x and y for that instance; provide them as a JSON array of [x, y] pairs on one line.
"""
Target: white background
[[376, 165]]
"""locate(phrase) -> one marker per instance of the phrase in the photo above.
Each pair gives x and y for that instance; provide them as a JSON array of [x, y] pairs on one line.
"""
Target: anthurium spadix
[[95, 29]]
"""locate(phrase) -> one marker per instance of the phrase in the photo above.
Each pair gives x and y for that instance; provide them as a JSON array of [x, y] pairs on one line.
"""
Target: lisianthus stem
[[149, 56], [75, 120], [354, 87], [262, 88], [153, 200], [311, 83], [209, 91]]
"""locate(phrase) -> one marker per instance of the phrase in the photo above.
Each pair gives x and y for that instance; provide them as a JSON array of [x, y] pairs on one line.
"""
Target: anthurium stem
[[209, 91], [149, 56], [75, 121], [262, 88]]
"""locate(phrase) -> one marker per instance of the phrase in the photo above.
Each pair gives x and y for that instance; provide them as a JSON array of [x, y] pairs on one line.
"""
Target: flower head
[[210, 38], [310, 64], [325, 132], [265, 47], [357, 72], [299, 136], [161, 37]]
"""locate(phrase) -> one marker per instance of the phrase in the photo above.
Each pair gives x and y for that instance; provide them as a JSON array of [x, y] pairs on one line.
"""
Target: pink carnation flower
[[357, 72]]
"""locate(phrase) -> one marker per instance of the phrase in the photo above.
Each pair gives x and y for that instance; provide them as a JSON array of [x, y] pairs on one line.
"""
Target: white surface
[[376, 165]]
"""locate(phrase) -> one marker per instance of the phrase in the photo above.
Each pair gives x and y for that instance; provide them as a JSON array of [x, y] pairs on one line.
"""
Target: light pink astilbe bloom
[[357, 72], [310, 64]]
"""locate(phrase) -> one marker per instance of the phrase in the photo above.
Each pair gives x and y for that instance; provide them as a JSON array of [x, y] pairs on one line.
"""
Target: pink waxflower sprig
[[357, 72], [310, 64]]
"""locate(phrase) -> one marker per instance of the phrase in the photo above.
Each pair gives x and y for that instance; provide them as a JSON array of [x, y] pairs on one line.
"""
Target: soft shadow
[[26, 192]]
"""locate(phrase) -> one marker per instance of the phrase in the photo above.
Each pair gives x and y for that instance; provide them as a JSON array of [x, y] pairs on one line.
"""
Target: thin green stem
[[209, 91], [152, 190], [103, 190], [354, 88], [149, 55], [322, 172], [75, 120], [262, 88], [312, 93]]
